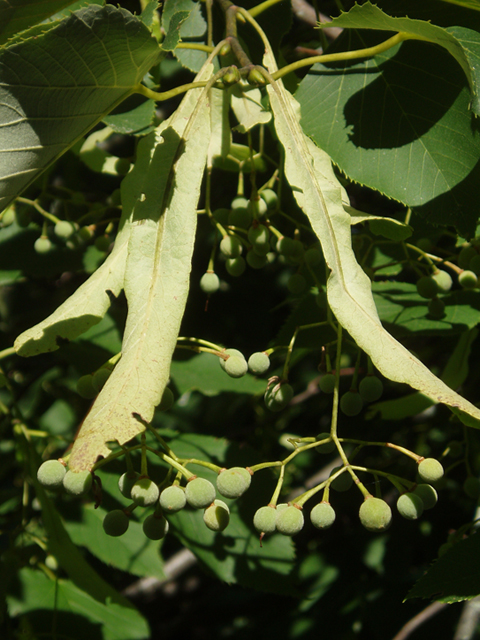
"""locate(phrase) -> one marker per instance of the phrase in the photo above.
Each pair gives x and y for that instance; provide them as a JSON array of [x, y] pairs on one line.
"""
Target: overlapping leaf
[[461, 43], [317, 191], [17, 15], [399, 123], [56, 86]]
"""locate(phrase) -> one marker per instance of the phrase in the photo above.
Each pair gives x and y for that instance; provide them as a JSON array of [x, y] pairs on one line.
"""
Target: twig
[[419, 619], [173, 568]]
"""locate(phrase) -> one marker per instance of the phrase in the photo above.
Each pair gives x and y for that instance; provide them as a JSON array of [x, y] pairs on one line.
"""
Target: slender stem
[[40, 209], [7, 353], [166, 95], [263, 6], [278, 488], [197, 46], [368, 52]]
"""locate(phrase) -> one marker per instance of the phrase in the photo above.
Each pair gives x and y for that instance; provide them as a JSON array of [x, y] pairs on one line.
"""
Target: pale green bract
[[317, 191], [157, 276], [151, 260]]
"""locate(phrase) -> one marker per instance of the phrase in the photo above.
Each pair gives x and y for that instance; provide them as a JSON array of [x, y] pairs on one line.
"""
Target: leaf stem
[[368, 52], [166, 95]]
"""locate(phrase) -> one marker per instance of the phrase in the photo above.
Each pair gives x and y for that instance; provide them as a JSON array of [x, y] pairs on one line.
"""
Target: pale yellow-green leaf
[[247, 107], [317, 191], [156, 279], [221, 135]]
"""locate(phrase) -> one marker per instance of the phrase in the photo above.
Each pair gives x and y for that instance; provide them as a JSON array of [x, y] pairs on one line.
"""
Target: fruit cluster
[[196, 492], [249, 238]]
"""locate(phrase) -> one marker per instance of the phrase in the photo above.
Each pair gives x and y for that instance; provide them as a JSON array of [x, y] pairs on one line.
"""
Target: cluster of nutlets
[[199, 493]]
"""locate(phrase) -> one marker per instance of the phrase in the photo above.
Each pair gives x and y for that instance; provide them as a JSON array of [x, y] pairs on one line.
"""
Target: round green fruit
[[239, 203], [235, 266], [430, 470], [436, 308], [77, 482], [471, 487], [467, 280], [313, 257], [145, 492], [410, 506], [375, 514], [126, 482], [327, 383], [231, 247], [122, 166], [427, 287], [285, 246], [100, 377], [343, 482], [289, 521], [217, 516], [173, 499], [231, 353], [42, 245], [240, 217], [466, 254], [296, 284], [277, 397], [258, 363], [443, 280], [232, 483], [51, 473], [222, 216], [64, 229], [297, 253], [257, 208], [209, 282], [116, 523], [322, 515], [264, 519], [370, 389], [236, 366], [200, 493], [474, 264], [85, 387], [351, 403], [256, 261], [155, 527], [327, 447], [428, 495], [270, 198]]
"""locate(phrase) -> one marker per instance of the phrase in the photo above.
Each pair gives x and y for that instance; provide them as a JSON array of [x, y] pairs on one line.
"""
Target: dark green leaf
[[203, 373], [191, 29], [17, 15], [463, 44], [48, 105], [137, 121], [404, 312], [72, 606], [172, 37], [455, 576], [378, 122]]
